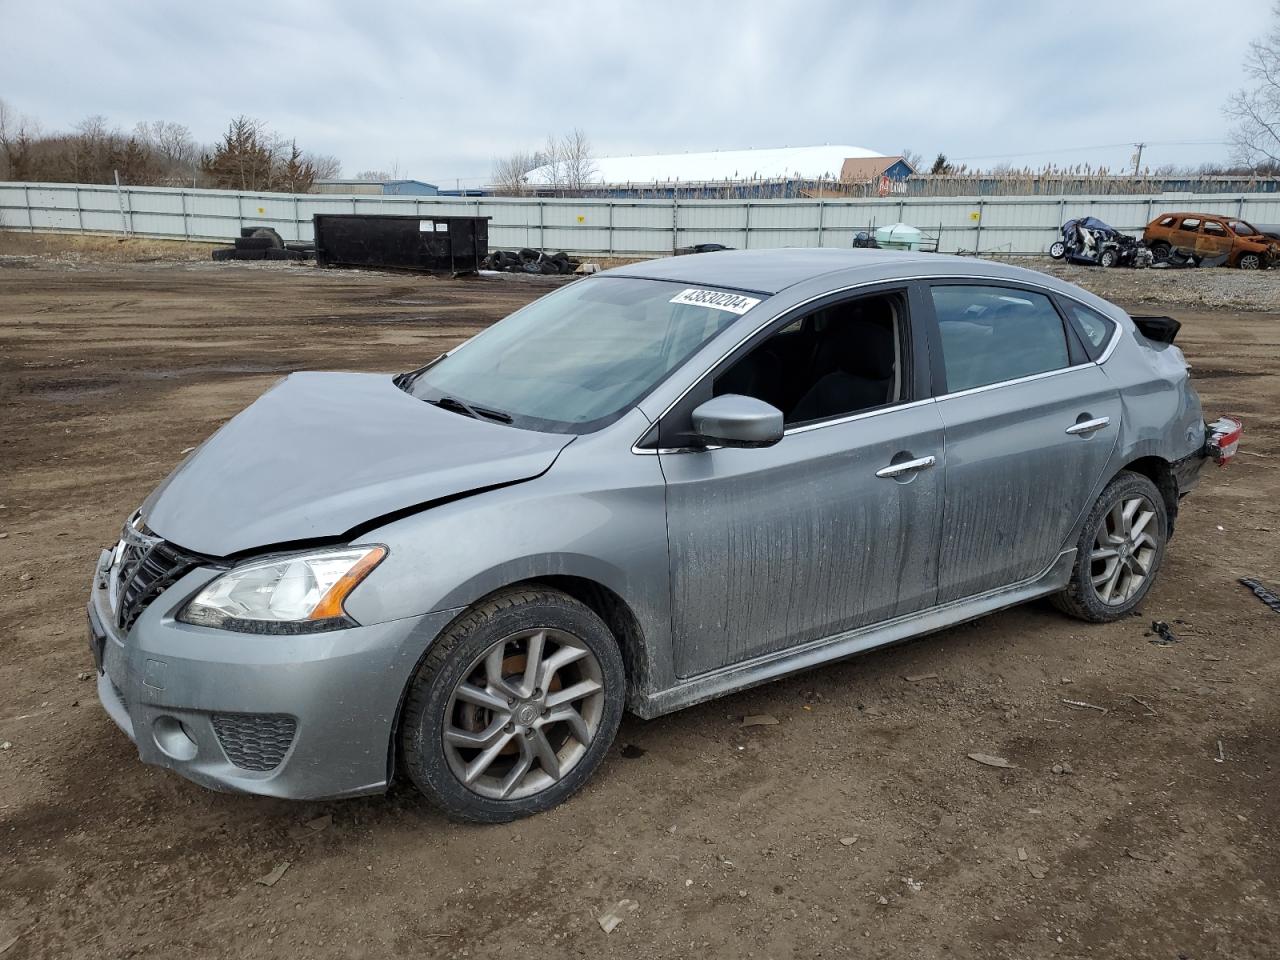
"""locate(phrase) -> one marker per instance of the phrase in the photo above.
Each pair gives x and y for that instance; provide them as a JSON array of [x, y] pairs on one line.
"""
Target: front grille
[[255, 741], [142, 568]]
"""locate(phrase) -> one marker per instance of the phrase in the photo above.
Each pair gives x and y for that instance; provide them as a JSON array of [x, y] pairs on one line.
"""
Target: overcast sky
[[443, 89]]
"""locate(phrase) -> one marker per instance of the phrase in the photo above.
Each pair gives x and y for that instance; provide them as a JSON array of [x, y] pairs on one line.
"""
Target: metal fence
[[609, 226]]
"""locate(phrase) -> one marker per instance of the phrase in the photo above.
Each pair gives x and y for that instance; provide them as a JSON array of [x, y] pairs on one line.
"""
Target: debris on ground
[[272, 878], [990, 761], [1022, 854], [917, 677], [1061, 769], [848, 841], [1138, 855], [760, 720], [264, 243], [302, 831], [1150, 709], [532, 261], [632, 752], [1262, 593], [1085, 705], [915, 886], [1037, 870], [587, 268], [610, 919], [1164, 634]]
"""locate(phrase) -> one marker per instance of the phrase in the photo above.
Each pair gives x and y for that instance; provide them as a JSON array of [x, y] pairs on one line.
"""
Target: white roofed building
[[773, 172]]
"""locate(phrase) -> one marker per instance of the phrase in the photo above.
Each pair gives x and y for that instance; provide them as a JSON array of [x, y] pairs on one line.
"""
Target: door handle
[[907, 466], [1088, 427]]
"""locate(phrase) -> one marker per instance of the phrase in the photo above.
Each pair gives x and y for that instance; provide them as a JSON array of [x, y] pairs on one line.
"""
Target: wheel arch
[[600, 599], [1160, 472]]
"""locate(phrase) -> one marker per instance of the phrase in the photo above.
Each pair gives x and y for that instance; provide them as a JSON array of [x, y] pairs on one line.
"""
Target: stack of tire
[[264, 243], [531, 261]]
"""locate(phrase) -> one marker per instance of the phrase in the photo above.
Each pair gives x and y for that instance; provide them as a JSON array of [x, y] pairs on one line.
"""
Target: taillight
[[1224, 439]]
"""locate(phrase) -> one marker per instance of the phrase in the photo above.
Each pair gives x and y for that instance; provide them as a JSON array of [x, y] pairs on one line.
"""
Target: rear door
[[1030, 424], [1186, 235]]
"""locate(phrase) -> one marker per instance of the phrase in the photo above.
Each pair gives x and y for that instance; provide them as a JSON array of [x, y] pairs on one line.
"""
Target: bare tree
[[327, 166], [1255, 137], [913, 159], [567, 166], [373, 176], [511, 173], [17, 134]]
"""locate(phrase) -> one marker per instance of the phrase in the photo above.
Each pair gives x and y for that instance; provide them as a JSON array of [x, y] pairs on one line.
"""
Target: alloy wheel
[[1124, 549], [524, 714], [1250, 261]]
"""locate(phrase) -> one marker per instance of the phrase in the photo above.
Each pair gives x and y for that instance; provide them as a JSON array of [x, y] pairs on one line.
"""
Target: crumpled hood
[[321, 453]]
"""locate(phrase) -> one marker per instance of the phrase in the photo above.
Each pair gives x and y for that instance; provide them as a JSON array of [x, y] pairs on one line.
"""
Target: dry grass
[[100, 249]]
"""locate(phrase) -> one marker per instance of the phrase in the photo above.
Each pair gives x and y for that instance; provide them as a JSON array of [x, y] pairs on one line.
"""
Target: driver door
[[773, 548]]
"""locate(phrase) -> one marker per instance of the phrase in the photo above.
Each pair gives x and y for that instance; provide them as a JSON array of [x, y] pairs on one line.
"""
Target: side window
[[1190, 224], [841, 359], [1094, 329], [1214, 229], [1167, 221], [991, 334]]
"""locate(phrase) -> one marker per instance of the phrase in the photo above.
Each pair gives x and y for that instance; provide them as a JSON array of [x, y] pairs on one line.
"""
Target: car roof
[[771, 271]]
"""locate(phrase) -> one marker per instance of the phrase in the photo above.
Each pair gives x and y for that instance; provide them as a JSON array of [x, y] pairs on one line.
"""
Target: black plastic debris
[[1164, 634], [1262, 593]]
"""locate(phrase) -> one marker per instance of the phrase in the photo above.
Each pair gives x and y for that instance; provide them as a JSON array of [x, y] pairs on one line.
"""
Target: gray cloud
[[444, 89]]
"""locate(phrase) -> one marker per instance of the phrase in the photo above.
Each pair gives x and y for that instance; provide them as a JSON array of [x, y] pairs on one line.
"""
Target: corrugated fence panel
[[600, 226]]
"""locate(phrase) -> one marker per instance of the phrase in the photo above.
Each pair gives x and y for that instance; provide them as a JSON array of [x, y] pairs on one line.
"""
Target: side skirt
[[751, 673]]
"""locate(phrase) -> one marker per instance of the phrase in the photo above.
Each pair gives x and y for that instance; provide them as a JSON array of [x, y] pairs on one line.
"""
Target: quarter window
[[1094, 329], [992, 334]]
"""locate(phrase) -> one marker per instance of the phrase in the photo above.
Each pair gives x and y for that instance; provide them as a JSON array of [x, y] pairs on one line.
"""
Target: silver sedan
[[654, 486]]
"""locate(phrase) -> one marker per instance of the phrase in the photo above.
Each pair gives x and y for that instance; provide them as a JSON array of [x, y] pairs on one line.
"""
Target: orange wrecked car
[[1211, 237]]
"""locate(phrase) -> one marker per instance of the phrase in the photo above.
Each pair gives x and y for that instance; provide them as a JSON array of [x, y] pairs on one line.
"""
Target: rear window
[[993, 334]]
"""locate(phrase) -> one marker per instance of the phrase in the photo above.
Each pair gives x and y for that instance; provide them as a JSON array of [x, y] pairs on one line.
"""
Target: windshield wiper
[[477, 413]]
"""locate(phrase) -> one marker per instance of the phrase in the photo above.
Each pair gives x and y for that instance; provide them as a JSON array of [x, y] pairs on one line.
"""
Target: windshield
[[580, 357], [1243, 229]]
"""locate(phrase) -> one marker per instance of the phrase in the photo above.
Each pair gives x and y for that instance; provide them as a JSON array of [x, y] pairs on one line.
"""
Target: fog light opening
[[173, 739]]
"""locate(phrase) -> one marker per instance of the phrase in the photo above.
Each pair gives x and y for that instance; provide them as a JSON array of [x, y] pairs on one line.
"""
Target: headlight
[[302, 593]]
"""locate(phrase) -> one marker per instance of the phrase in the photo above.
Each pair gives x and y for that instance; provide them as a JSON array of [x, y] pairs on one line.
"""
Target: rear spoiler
[[1159, 329]]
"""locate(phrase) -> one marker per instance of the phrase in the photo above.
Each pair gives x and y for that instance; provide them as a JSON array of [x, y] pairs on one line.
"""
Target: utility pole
[[1137, 158]]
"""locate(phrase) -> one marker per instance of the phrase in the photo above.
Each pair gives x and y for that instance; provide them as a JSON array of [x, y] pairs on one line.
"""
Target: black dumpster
[[430, 244]]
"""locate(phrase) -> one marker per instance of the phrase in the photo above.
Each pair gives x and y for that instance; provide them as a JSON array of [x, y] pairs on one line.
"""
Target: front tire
[[1120, 550], [1109, 259], [1057, 249], [1250, 261], [514, 706]]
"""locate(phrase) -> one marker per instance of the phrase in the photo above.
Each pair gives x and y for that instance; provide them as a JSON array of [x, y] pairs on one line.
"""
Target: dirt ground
[[855, 827]]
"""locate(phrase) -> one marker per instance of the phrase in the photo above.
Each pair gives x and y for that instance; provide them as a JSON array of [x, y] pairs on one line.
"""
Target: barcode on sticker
[[716, 300]]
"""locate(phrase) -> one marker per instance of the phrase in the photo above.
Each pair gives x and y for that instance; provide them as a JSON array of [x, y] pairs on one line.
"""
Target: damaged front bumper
[[299, 717]]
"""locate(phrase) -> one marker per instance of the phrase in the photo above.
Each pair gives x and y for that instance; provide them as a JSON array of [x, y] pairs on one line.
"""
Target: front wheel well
[[615, 613], [1160, 472]]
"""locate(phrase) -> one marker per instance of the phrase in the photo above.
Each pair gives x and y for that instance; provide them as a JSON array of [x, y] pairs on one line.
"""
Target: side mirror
[[733, 420]]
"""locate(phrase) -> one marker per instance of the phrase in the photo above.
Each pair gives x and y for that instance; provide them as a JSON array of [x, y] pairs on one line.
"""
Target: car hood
[[320, 454]]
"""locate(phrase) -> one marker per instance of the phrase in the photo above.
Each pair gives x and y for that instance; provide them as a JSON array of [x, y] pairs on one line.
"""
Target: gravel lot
[[855, 827]]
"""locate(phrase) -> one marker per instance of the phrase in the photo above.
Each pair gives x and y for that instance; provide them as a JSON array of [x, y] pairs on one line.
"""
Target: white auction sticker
[[716, 300]]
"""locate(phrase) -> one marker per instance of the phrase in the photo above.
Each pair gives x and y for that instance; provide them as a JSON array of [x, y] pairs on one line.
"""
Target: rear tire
[[1109, 259], [465, 690], [1119, 553], [1057, 249], [1160, 252]]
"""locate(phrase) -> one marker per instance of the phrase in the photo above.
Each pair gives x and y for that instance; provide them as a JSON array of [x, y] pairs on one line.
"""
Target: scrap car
[[1210, 239]]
